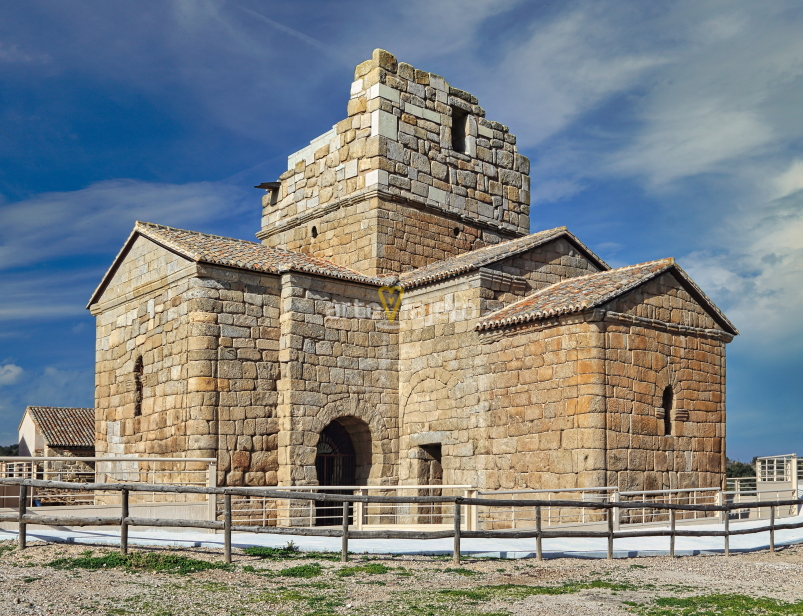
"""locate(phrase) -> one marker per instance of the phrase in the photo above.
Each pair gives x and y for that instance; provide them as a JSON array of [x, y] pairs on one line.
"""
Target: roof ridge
[[236, 253], [497, 319], [475, 259], [273, 249], [139, 223]]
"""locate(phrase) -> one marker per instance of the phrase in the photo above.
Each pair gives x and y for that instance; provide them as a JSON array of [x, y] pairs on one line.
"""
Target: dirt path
[[53, 579]]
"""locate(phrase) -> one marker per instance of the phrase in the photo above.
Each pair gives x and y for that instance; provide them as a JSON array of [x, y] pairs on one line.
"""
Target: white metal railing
[[267, 511], [746, 496], [108, 469], [251, 509], [779, 468], [518, 517], [740, 484], [681, 496]]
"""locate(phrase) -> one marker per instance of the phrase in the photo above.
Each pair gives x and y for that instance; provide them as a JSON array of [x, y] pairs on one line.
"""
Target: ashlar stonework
[[398, 317]]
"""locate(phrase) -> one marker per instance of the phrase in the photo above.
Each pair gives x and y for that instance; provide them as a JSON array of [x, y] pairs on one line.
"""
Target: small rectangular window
[[459, 122]]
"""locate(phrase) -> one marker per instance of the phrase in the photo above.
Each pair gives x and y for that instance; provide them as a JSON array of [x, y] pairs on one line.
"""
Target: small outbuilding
[[51, 431]]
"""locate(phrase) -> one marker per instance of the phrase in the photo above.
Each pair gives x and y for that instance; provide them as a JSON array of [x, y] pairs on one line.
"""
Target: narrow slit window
[[139, 371], [667, 402]]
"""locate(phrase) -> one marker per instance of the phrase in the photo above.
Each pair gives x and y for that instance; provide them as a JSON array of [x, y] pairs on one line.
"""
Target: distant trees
[[740, 469], [10, 450]]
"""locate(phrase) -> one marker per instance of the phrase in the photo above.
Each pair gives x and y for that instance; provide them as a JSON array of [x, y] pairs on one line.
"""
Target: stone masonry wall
[[505, 407], [643, 359], [448, 375], [545, 423], [379, 236], [339, 361], [398, 141], [664, 299], [142, 315], [540, 267], [234, 371], [564, 403], [641, 362], [209, 346]]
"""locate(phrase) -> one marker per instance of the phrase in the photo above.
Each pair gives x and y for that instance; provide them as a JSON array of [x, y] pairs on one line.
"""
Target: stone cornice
[[603, 316], [500, 281], [364, 195], [188, 271], [629, 319]]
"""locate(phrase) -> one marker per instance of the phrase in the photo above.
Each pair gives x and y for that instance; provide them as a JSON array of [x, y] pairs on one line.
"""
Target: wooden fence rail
[[23, 518]]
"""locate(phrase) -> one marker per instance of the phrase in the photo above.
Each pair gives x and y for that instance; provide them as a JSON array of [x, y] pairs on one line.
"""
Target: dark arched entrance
[[335, 464]]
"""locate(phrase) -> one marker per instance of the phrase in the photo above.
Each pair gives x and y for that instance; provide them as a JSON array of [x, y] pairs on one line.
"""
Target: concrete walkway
[[500, 548]]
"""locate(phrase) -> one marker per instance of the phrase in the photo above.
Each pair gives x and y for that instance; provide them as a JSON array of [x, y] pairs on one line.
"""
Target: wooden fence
[[124, 521]]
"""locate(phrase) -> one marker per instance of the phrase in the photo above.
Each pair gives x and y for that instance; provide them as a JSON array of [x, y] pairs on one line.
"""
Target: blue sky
[[655, 129]]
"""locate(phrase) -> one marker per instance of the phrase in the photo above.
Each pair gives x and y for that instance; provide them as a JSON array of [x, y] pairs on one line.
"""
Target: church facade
[[399, 324]]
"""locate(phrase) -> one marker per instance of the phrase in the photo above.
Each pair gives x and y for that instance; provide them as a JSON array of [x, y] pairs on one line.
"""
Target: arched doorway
[[335, 465], [335, 460]]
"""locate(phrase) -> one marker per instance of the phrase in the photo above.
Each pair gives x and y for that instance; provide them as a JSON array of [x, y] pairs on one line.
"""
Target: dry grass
[[72, 579]]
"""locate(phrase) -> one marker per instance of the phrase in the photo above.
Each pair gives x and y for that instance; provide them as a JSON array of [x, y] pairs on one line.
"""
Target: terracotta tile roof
[[246, 255], [65, 427], [586, 292], [491, 254], [230, 252]]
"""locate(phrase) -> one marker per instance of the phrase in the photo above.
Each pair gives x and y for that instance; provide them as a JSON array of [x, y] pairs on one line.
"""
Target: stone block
[[384, 124], [384, 59], [241, 460], [357, 105]]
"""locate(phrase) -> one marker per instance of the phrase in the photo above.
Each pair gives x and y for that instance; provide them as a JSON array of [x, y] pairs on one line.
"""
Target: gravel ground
[[376, 585]]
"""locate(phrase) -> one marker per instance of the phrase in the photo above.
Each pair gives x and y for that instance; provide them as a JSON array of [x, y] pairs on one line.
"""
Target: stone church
[[399, 324]]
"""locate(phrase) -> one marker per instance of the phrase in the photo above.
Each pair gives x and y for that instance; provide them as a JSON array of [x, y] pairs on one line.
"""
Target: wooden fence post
[[358, 509], [227, 528], [123, 521], [344, 545], [456, 555], [23, 506], [211, 482], [539, 554], [672, 517], [772, 529], [617, 512], [727, 533]]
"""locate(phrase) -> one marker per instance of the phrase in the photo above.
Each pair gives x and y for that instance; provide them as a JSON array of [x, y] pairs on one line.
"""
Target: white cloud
[[97, 219], [726, 100], [789, 181], [565, 68], [759, 279], [10, 374], [70, 230], [46, 295], [687, 141]]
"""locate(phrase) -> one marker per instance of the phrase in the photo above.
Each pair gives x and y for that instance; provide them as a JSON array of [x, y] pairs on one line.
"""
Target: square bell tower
[[415, 174]]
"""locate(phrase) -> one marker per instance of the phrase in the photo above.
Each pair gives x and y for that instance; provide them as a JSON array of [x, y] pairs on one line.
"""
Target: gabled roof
[[230, 252], [491, 254], [65, 427], [587, 292]]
